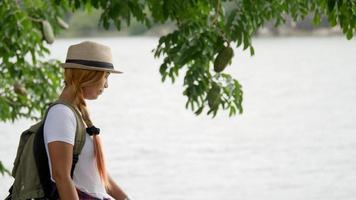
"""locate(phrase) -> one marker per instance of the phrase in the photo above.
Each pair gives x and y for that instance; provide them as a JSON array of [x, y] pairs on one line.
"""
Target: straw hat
[[91, 56]]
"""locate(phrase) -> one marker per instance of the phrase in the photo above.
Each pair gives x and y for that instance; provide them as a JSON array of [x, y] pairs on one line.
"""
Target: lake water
[[296, 139]]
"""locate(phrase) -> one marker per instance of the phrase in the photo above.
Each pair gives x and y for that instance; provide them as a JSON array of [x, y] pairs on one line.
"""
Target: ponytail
[[98, 147]]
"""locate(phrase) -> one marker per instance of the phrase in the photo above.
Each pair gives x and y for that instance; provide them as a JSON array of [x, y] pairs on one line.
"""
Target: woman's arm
[[115, 191], [61, 154]]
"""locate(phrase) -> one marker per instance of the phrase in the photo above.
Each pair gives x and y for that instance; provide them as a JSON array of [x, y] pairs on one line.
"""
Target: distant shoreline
[[161, 31]]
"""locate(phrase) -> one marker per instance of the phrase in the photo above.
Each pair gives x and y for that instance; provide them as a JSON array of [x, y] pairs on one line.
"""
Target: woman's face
[[92, 92]]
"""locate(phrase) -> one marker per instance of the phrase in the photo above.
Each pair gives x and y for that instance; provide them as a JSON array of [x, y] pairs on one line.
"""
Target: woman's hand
[[61, 155]]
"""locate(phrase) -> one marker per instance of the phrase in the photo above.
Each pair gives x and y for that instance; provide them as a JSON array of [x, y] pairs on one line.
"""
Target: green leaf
[[316, 19], [246, 41], [252, 51], [3, 170], [200, 109], [349, 34], [331, 5]]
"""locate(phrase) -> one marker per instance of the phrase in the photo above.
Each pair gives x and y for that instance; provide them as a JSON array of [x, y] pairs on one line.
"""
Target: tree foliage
[[204, 29], [26, 83]]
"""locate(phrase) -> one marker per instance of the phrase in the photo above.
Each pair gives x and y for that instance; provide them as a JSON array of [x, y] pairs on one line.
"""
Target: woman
[[87, 68]]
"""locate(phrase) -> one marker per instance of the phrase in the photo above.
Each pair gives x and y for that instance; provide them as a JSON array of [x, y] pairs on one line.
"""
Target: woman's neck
[[65, 95]]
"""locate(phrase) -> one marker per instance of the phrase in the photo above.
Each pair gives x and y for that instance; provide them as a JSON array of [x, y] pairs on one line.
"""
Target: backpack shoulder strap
[[79, 134]]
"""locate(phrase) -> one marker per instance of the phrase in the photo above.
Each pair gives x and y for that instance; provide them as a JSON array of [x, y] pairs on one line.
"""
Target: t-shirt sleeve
[[60, 125]]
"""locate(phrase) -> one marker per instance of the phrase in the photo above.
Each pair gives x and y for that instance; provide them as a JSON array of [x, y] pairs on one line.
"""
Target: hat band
[[91, 63]]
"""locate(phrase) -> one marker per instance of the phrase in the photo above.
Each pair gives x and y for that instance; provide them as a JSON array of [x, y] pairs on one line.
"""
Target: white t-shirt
[[60, 125]]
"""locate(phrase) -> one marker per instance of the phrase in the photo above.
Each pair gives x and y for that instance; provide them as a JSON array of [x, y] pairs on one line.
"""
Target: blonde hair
[[76, 80]]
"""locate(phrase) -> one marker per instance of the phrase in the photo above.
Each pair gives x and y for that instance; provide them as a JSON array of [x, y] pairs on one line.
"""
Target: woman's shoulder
[[61, 111], [59, 107], [60, 124]]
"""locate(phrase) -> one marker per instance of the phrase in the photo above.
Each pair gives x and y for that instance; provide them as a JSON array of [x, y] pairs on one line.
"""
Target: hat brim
[[79, 66]]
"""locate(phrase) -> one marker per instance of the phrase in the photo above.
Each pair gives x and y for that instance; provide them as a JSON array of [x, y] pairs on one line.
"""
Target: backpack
[[31, 168]]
